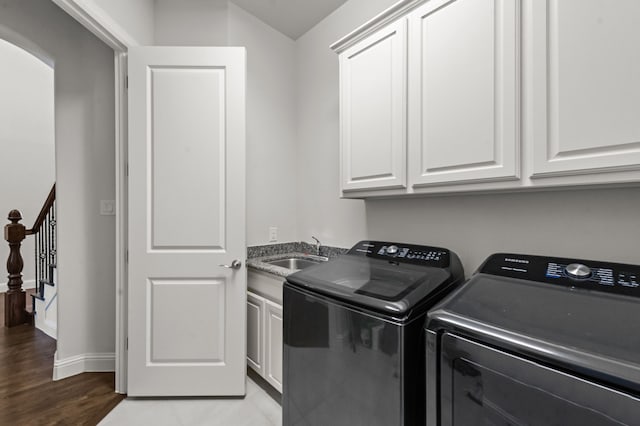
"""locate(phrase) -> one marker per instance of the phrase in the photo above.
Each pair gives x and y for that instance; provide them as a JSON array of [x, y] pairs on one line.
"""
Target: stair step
[[37, 296], [47, 282]]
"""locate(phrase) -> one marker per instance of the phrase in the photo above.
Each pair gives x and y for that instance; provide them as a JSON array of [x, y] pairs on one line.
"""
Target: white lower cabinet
[[273, 344], [264, 338], [255, 344]]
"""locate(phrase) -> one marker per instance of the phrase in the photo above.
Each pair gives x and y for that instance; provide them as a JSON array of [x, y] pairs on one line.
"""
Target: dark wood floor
[[28, 396]]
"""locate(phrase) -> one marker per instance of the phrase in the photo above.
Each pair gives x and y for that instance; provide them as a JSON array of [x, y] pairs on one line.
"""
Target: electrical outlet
[[273, 234]]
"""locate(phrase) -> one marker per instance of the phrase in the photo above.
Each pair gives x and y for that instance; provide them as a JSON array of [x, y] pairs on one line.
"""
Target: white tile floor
[[256, 409]]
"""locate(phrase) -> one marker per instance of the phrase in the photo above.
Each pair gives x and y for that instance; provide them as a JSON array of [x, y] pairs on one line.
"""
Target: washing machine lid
[[535, 306], [392, 278]]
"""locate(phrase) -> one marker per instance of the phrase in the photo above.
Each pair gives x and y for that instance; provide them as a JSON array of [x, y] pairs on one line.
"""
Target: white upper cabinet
[[373, 111], [490, 95], [463, 92], [585, 69]]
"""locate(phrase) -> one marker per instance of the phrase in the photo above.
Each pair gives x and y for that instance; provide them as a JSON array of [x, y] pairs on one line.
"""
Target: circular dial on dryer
[[578, 270], [392, 249]]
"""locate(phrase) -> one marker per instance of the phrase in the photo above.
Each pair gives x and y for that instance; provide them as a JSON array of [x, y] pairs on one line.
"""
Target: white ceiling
[[291, 17]]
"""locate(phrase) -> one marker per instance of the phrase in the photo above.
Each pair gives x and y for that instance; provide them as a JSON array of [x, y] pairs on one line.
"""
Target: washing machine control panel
[[403, 253], [578, 271], [610, 277]]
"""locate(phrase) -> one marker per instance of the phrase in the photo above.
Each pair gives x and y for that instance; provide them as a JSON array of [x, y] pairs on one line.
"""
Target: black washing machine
[[532, 340], [354, 334]]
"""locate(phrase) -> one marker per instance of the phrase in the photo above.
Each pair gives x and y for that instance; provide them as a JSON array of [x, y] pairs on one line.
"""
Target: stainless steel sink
[[296, 262]]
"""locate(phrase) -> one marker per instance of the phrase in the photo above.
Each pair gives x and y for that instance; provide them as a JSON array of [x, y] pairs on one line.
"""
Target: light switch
[[107, 207]]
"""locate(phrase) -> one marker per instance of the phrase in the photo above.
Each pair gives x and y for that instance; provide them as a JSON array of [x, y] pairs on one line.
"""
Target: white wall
[[27, 163], [190, 23], [135, 18], [271, 124], [320, 211], [85, 172], [593, 224]]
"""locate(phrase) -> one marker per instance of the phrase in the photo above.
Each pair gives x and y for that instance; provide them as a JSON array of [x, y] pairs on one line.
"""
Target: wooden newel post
[[15, 298]]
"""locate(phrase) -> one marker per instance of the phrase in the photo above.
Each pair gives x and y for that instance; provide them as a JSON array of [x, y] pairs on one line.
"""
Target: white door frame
[[107, 30]]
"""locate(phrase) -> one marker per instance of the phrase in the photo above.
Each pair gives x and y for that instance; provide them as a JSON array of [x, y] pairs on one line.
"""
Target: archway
[[27, 163]]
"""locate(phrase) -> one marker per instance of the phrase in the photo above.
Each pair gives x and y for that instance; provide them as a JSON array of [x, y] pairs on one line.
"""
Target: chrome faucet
[[318, 245]]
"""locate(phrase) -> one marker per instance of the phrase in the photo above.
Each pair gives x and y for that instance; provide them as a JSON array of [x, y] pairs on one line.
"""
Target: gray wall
[[85, 172], [320, 211], [601, 224], [26, 132], [190, 23], [271, 138]]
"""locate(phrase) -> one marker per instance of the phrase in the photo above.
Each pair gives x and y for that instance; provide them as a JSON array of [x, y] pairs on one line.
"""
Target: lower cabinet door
[[264, 338], [255, 333], [273, 344]]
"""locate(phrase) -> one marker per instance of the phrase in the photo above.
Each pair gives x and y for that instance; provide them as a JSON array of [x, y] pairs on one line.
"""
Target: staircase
[[45, 303]]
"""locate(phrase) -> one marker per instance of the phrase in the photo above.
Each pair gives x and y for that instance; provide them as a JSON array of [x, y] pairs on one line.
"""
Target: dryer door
[[481, 385]]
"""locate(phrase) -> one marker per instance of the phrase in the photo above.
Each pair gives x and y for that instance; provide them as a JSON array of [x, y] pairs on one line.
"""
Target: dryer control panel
[[403, 253], [593, 275]]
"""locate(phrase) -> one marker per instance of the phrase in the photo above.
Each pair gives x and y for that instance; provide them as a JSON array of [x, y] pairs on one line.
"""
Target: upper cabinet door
[[464, 92], [585, 89], [373, 111]]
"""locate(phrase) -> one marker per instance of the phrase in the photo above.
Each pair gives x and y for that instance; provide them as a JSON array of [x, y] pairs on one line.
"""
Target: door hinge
[[126, 256], [126, 82], [126, 344], [127, 170]]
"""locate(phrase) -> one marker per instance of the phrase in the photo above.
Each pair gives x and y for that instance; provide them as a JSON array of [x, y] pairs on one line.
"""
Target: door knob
[[236, 264]]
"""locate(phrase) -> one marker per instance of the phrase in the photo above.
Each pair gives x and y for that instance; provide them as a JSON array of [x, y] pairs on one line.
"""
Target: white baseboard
[[25, 285], [84, 363], [47, 328]]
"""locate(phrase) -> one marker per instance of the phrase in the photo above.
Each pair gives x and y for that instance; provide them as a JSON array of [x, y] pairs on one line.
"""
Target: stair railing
[[44, 231]]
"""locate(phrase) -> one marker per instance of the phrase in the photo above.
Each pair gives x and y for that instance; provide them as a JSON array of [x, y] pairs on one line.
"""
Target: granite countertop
[[259, 255]]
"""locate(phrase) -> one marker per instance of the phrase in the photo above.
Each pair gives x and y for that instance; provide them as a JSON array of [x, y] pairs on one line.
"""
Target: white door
[[186, 314]]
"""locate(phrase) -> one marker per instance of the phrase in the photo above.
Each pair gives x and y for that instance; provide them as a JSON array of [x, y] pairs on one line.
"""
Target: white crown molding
[[374, 24]]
